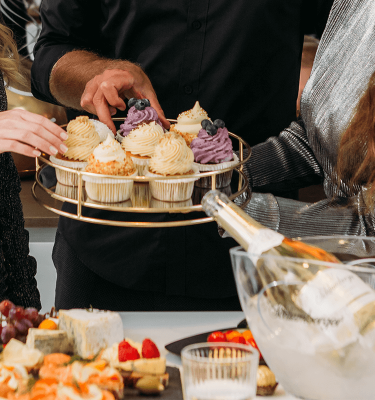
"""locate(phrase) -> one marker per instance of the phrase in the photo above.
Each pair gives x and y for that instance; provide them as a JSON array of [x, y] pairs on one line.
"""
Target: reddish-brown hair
[[356, 155]]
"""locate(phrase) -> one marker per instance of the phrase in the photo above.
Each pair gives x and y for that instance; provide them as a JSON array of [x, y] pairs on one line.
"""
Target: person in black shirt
[[241, 61]]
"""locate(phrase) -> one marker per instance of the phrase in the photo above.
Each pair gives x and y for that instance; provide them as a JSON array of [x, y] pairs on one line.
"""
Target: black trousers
[[79, 287]]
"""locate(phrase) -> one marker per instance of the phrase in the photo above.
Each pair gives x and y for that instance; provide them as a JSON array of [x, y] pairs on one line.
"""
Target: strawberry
[[149, 349], [217, 336], [127, 352]]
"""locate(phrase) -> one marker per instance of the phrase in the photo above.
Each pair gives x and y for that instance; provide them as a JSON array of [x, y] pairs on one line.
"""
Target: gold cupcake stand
[[52, 195]]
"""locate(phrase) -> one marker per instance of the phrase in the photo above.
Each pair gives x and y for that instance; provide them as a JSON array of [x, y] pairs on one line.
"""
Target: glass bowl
[[327, 353]]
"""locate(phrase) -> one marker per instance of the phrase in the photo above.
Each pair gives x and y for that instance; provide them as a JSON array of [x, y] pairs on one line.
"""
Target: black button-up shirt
[[240, 59]]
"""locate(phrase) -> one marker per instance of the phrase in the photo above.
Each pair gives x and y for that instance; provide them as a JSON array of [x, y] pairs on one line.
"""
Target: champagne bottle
[[323, 291]]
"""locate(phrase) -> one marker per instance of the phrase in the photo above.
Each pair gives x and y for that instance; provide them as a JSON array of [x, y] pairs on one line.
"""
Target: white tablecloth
[[167, 327]]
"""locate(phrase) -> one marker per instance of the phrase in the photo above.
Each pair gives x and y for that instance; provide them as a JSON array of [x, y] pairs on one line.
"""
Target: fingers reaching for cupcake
[[105, 93]]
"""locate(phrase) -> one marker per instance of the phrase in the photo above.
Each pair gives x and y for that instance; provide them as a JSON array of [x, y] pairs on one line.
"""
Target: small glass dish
[[222, 371]]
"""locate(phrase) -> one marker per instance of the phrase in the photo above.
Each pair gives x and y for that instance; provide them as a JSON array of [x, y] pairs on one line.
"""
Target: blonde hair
[[9, 58]]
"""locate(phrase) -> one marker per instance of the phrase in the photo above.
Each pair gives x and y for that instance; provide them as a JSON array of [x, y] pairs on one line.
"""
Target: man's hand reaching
[[105, 93]]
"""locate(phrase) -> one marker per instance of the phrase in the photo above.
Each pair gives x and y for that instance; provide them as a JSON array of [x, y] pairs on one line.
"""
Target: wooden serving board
[[172, 392]]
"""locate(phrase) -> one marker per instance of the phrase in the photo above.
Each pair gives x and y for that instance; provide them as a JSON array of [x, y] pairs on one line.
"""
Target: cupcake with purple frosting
[[140, 112], [213, 151]]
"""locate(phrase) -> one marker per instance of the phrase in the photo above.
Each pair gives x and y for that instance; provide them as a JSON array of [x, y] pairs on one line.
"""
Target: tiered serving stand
[[51, 194]]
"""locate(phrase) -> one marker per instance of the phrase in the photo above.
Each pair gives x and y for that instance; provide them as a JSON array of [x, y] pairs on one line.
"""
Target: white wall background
[[46, 273]]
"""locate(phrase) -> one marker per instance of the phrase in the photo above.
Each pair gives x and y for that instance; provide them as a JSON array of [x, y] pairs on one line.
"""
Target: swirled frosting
[[142, 140], [215, 149], [109, 150], [110, 159], [82, 138], [190, 121], [137, 117], [171, 156]]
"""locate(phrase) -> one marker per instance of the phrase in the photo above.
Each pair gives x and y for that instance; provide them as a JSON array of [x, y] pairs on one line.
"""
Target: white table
[[167, 327]]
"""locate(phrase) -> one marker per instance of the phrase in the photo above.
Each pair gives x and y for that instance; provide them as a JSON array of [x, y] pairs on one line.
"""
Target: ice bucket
[[316, 357]]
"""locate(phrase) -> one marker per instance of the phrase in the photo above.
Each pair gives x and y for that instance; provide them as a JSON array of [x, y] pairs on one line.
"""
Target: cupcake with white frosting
[[172, 157], [140, 144], [189, 123], [82, 140], [109, 158]]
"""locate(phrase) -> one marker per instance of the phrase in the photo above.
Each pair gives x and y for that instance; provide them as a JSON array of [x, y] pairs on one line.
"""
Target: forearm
[[72, 71], [284, 162], [336, 216]]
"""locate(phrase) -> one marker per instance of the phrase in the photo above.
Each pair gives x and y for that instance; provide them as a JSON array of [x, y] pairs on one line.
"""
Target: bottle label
[[262, 241], [331, 299]]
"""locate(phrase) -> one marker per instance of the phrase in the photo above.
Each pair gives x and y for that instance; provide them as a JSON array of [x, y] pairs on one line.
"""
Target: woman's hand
[[106, 92], [30, 134]]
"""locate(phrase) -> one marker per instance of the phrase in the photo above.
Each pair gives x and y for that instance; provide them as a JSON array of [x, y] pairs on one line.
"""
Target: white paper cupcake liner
[[107, 190], [222, 180], [119, 137], [65, 177], [141, 164], [173, 189]]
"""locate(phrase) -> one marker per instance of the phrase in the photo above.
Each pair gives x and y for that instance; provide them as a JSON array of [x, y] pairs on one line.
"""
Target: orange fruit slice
[[48, 324]]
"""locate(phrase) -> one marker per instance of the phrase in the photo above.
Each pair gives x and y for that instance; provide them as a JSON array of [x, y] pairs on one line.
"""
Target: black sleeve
[[67, 25], [315, 15]]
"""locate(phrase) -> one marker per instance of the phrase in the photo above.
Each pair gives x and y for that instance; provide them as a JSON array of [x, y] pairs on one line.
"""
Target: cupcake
[[109, 159], [172, 157], [140, 112], [140, 144], [102, 129], [82, 140], [213, 151], [189, 123]]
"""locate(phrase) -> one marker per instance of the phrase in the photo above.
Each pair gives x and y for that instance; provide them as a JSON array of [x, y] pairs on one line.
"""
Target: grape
[[31, 314], [16, 313], [21, 338], [23, 326], [5, 307], [8, 332]]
